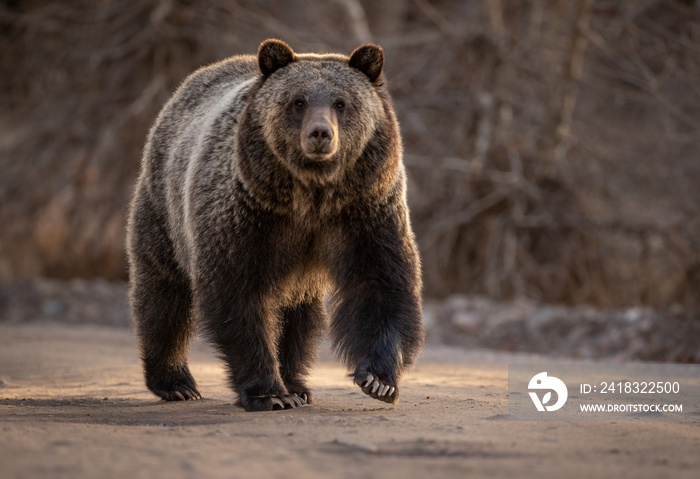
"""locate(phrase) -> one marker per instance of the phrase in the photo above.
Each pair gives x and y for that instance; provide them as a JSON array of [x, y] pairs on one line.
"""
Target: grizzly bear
[[267, 184]]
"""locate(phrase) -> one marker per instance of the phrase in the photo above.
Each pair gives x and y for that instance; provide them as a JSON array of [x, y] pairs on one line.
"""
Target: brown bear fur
[[268, 183]]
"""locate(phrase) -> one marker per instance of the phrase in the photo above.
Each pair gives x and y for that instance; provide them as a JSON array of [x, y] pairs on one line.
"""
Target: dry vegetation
[[552, 145]]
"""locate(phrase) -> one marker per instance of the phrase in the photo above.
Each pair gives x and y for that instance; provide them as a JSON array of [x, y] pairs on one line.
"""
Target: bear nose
[[320, 135]]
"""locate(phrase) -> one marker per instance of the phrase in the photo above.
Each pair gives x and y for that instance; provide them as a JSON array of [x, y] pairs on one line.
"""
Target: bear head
[[317, 113]]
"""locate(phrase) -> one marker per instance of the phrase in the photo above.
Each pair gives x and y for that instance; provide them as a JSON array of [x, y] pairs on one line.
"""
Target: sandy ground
[[73, 405]]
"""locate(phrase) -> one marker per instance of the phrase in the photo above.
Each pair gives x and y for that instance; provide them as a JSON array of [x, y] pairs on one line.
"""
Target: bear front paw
[[376, 388]]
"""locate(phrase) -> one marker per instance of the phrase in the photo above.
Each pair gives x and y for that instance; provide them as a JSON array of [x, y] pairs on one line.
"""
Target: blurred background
[[552, 146]]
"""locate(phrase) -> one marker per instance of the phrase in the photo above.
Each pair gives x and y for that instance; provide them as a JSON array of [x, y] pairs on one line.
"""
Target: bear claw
[[375, 388], [174, 386], [182, 393], [275, 403]]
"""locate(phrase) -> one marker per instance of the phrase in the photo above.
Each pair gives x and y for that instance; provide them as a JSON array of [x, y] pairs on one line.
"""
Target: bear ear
[[369, 59], [273, 55]]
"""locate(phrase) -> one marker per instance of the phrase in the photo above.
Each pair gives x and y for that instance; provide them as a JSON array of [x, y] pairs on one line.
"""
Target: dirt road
[[73, 405]]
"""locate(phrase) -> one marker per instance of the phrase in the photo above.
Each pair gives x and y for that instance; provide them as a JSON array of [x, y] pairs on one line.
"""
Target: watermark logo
[[604, 392], [541, 381]]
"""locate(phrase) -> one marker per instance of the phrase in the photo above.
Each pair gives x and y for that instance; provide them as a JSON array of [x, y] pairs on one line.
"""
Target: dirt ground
[[73, 405]]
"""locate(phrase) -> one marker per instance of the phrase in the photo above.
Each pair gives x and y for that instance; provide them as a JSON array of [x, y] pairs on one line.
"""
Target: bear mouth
[[315, 157], [318, 166]]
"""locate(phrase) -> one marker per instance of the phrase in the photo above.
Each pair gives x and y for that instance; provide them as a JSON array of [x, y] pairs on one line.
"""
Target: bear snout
[[319, 136]]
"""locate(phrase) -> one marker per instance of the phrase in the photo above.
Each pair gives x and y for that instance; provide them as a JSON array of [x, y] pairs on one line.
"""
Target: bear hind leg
[[162, 310], [302, 329], [247, 342], [161, 304]]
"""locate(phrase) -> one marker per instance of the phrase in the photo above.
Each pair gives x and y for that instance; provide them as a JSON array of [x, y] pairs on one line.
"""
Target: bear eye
[[339, 105], [299, 103]]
